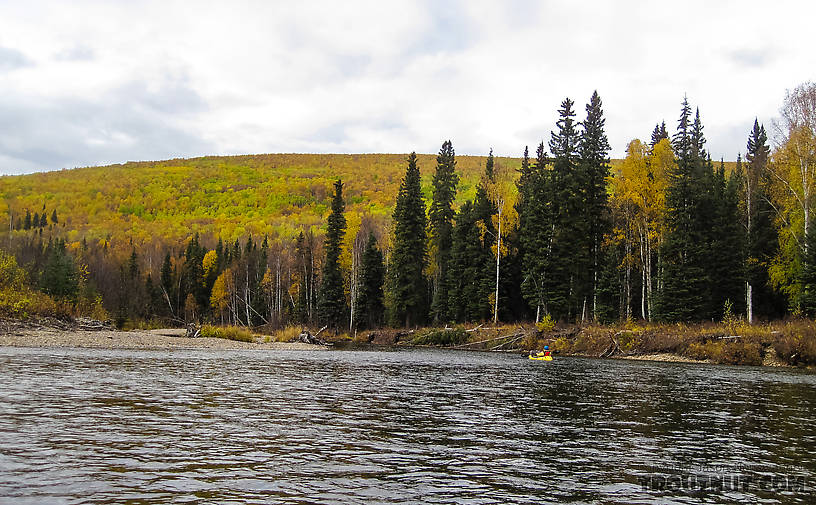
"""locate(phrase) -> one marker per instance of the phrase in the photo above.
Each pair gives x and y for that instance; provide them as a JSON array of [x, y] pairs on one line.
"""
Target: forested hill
[[231, 197]]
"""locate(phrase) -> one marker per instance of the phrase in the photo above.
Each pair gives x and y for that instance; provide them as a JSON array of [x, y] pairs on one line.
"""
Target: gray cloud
[[131, 122], [11, 59], [751, 57], [76, 53]]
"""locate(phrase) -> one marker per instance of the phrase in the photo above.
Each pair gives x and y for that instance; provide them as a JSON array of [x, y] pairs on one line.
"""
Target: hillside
[[231, 197], [227, 196]]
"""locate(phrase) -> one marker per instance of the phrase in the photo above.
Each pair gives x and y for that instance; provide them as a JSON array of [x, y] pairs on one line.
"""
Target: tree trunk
[[498, 261]]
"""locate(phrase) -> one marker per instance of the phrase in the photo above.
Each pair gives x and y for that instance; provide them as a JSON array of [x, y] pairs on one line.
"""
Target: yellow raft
[[540, 357]]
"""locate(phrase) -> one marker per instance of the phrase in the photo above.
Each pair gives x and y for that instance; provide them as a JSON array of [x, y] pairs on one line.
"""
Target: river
[[407, 426]]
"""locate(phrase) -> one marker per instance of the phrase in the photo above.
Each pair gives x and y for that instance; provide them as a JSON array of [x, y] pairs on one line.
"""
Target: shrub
[[723, 352], [227, 332], [547, 323], [442, 337]]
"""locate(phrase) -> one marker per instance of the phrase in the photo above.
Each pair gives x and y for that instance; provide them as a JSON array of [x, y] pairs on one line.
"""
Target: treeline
[[671, 236]]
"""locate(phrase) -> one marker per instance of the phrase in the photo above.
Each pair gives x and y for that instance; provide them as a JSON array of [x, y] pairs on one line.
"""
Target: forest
[[562, 233]]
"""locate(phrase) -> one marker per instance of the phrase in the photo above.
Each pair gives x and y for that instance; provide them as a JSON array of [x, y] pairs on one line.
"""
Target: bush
[[727, 353], [547, 323], [442, 337], [227, 332], [796, 349]]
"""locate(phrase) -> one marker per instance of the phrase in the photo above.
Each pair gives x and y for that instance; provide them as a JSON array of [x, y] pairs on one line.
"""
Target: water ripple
[[117, 426]]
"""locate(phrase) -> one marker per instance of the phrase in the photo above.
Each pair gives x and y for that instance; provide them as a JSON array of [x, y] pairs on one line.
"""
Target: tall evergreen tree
[[536, 211], [441, 227], [684, 283], [27, 220], [807, 277], [332, 307], [369, 308], [659, 133], [469, 290], [725, 262], [167, 285], [594, 158], [406, 279], [59, 273], [484, 210], [570, 262], [762, 238]]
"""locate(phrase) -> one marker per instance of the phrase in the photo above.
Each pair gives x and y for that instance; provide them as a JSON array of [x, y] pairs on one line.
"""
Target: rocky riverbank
[[28, 334]]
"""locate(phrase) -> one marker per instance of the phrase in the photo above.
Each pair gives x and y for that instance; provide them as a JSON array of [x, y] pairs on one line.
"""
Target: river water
[[408, 426]]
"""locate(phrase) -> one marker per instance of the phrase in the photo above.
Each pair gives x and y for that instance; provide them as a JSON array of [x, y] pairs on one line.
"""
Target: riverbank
[[19, 334], [781, 343]]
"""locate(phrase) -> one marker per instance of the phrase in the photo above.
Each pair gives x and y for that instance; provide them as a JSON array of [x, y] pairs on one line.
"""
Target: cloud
[[131, 122], [76, 53], [150, 79], [751, 57], [12, 59]]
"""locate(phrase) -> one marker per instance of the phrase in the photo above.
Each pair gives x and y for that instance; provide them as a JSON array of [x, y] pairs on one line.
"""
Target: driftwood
[[193, 331], [307, 338], [614, 347], [515, 338], [519, 335], [473, 329], [401, 334]]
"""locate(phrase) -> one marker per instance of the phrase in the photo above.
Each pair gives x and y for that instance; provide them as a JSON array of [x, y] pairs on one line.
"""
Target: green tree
[[594, 159], [406, 279], [659, 133], [570, 261], [807, 277], [536, 222], [469, 290], [684, 283], [762, 238], [332, 308], [726, 265], [441, 217], [369, 307], [59, 275]]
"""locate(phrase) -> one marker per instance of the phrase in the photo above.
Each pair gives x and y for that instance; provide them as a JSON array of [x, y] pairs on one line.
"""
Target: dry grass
[[227, 332]]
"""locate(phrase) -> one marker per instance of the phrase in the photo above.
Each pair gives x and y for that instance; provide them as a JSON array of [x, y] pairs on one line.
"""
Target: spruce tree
[[807, 277], [59, 275], [569, 262], [659, 133], [167, 284], [762, 238], [484, 209], [684, 283], [27, 221], [469, 290], [369, 308], [332, 306], [406, 279], [594, 159], [536, 222], [441, 227], [725, 262]]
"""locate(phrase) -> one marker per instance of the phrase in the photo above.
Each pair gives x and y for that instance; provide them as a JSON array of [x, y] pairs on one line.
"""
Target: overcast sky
[[88, 83]]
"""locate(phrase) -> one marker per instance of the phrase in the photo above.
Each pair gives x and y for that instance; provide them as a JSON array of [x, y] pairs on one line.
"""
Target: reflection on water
[[93, 426]]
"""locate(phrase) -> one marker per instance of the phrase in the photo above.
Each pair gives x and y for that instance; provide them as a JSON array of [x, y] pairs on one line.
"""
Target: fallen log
[[516, 339], [307, 338], [489, 340]]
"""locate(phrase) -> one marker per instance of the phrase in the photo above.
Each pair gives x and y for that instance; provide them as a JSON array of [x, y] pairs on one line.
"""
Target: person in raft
[[545, 352]]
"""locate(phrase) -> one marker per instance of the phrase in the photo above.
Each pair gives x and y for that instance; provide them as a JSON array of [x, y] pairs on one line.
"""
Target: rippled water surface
[[113, 426]]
